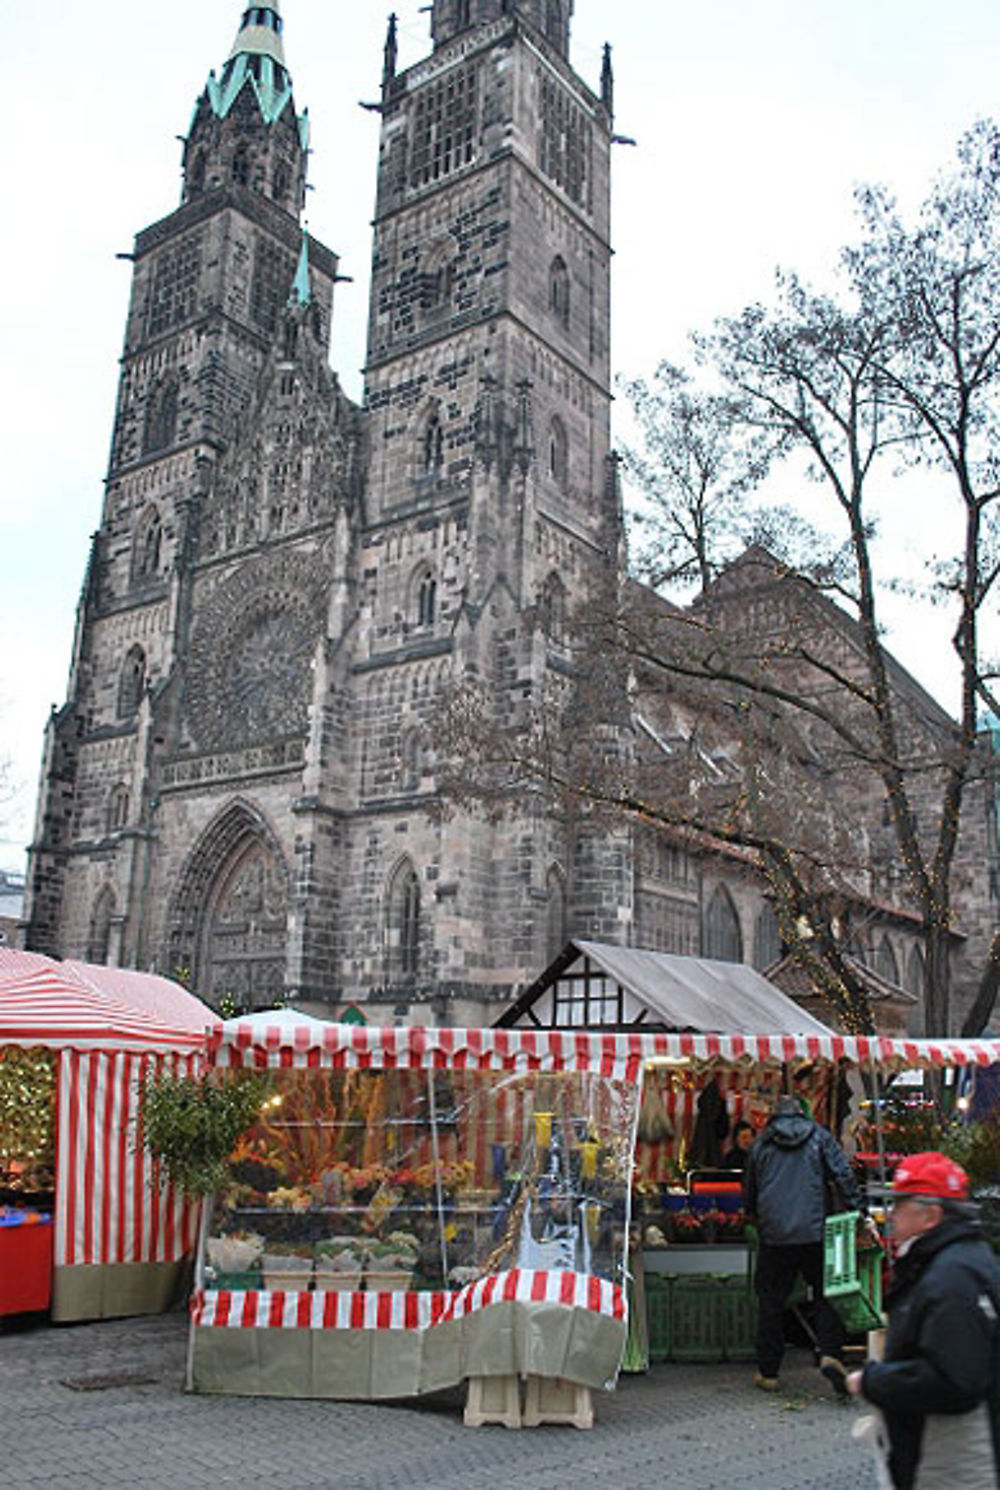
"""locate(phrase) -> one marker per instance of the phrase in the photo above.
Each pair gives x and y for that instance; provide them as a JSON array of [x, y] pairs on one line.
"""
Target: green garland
[[27, 1106]]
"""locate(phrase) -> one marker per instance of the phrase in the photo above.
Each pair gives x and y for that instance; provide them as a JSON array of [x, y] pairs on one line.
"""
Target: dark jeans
[[777, 1268]]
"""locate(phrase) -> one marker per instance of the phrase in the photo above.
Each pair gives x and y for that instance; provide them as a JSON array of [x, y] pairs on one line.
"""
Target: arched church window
[[555, 918], [553, 609], [148, 551], [766, 938], [915, 972], [403, 924], [721, 935], [116, 814], [559, 290], [99, 938], [558, 451], [241, 166], [411, 761], [279, 185], [464, 13], [425, 593], [884, 962], [160, 425], [131, 683], [433, 445]]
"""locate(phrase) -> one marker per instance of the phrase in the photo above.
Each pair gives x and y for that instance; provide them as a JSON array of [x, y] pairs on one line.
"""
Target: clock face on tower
[[249, 671]]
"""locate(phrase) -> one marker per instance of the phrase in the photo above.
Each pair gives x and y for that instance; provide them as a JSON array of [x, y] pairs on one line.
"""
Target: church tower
[[185, 734], [490, 486], [242, 782]]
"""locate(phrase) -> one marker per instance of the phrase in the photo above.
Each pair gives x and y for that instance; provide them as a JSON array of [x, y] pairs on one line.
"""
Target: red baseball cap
[[933, 1175]]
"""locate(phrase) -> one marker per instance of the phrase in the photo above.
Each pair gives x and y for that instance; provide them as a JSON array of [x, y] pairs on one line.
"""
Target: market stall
[[89, 1229], [418, 1206]]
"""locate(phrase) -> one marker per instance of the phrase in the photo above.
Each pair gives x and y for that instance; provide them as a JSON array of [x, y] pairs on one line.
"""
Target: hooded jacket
[[939, 1383], [787, 1179]]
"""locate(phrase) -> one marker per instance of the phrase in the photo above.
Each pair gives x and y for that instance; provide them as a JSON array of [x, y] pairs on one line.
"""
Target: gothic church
[[239, 788]]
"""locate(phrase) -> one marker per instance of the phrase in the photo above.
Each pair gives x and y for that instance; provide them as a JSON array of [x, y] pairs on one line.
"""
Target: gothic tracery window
[[721, 935], [884, 961], [403, 924], [552, 608], [444, 126], [116, 815], [766, 938], [558, 452], [426, 598], [131, 683], [148, 551], [432, 453], [160, 427], [559, 290]]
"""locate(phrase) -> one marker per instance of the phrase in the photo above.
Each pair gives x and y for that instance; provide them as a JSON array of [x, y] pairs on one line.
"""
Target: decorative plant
[[192, 1123]]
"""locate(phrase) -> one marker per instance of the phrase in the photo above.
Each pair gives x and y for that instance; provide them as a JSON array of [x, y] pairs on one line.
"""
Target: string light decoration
[[27, 1109]]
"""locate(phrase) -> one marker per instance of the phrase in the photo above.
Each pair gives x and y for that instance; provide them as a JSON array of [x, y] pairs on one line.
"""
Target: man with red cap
[[939, 1383]]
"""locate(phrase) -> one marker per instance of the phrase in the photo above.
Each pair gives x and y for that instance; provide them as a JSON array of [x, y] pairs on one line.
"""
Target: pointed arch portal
[[230, 916]]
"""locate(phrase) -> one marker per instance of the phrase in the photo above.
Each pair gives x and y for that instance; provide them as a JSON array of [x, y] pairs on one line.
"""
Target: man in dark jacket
[[939, 1383], [790, 1172]]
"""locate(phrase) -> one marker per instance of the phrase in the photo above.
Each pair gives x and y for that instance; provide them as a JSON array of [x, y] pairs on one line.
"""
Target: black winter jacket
[[786, 1182], [942, 1355]]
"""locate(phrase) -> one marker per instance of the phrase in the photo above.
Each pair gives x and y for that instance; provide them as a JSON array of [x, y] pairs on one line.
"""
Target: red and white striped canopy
[[620, 1055], [79, 1006]]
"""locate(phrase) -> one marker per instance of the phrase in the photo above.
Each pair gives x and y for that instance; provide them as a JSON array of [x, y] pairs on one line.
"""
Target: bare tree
[[795, 735]]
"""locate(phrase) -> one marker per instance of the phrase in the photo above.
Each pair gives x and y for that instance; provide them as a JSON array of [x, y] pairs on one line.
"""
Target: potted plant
[[391, 1263], [340, 1264], [287, 1266]]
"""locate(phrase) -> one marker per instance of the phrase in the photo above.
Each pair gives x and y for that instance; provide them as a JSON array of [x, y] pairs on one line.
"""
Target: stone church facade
[[240, 788], [240, 785]]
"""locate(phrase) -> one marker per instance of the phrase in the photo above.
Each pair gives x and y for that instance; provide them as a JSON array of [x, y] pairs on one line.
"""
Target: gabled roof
[[658, 991]]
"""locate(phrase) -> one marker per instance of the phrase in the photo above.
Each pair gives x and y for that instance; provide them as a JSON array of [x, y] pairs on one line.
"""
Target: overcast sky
[[754, 119]]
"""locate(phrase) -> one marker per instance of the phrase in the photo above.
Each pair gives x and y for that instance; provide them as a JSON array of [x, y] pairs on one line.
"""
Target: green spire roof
[[301, 293], [257, 61]]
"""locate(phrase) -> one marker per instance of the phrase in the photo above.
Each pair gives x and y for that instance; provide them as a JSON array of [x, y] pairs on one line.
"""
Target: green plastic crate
[[234, 1282], [852, 1275], [658, 1316], [698, 1318], [740, 1309]]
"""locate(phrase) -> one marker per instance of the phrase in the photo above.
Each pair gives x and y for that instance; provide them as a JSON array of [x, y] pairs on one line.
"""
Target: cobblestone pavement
[[103, 1405]]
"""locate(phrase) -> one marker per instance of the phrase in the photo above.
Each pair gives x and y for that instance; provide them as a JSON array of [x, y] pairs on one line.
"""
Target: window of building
[[564, 145], [555, 917], [148, 551], [241, 166], [131, 683], [558, 451], [403, 924], [721, 935], [552, 609], [425, 597], [175, 284], [196, 175], [444, 126], [99, 940], [766, 938], [559, 290], [281, 181], [273, 272], [884, 961], [432, 451], [554, 22], [116, 813]]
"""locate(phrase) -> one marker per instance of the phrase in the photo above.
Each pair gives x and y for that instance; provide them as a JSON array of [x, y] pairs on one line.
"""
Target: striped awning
[[80, 1006], [619, 1055]]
